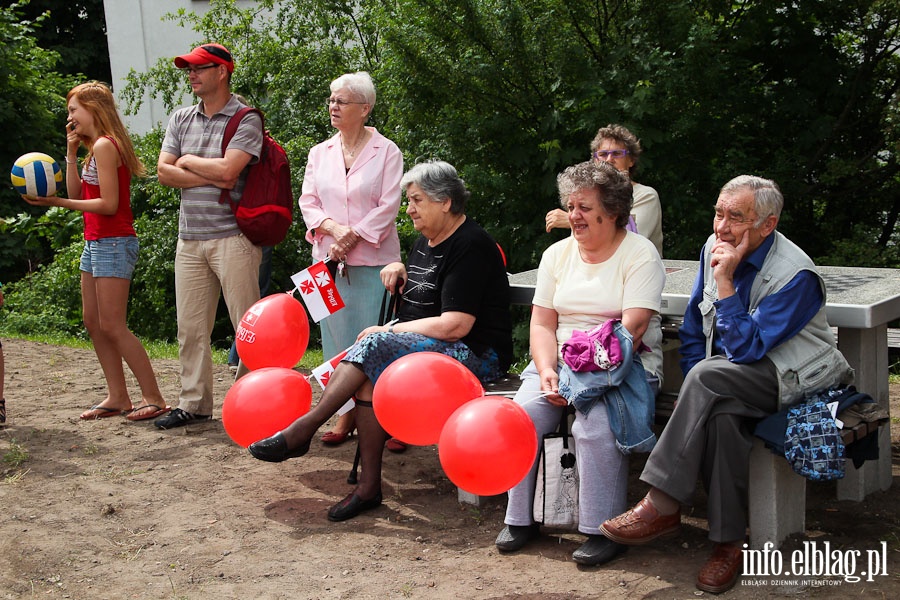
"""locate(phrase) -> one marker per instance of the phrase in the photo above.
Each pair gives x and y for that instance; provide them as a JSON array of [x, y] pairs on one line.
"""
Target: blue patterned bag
[[812, 442]]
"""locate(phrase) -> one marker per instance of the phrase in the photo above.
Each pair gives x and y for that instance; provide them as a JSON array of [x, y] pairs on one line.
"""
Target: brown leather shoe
[[722, 570], [640, 525]]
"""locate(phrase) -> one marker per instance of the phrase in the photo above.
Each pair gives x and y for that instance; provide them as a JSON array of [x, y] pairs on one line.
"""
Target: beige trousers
[[203, 268]]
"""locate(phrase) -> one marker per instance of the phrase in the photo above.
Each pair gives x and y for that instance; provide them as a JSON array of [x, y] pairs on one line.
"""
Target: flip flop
[[143, 416], [103, 414]]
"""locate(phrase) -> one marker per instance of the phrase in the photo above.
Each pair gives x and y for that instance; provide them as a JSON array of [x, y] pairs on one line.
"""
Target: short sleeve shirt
[[464, 273], [190, 131], [585, 295]]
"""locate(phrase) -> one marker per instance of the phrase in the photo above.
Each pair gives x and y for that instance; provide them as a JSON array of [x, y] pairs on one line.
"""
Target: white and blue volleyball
[[36, 174]]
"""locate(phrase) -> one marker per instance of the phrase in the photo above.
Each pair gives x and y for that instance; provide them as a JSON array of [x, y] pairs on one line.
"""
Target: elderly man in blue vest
[[754, 337]]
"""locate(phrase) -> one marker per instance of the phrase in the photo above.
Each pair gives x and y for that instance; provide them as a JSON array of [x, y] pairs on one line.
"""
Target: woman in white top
[[601, 272], [621, 148]]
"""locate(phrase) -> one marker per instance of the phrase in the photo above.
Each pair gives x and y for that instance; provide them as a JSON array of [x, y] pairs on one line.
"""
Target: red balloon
[[264, 402], [416, 394], [488, 445], [273, 332]]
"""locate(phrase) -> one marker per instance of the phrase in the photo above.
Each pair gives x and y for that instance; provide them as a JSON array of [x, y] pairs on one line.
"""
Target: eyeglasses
[[733, 219], [341, 103], [604, 154], [193, 69]]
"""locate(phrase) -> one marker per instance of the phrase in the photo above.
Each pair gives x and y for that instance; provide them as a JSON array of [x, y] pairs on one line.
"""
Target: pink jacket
[[367, 198]]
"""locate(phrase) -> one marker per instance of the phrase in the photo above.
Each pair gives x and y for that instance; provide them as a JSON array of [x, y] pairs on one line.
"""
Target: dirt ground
[[114, 509]]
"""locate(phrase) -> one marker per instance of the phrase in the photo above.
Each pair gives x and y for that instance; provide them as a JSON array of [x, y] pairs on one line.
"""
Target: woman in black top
[[455, 300]]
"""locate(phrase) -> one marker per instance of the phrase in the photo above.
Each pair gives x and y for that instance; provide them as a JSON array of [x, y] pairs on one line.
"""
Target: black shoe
[[597, 550], [351, 506], [275, 449], [177, 418], [514, 537]]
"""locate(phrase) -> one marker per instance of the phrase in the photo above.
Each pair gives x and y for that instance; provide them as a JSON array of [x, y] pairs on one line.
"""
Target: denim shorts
[[110, 257]]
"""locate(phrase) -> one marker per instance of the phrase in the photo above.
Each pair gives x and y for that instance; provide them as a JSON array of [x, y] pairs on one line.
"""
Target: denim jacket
[[624, 389]]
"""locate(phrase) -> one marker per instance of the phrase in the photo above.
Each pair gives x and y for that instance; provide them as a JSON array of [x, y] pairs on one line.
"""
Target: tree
[[512, 91], [32, 112], [286, 55], [76, 31]]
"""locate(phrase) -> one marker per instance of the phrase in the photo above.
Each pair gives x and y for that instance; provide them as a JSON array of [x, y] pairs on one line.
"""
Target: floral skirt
[[376, 351]]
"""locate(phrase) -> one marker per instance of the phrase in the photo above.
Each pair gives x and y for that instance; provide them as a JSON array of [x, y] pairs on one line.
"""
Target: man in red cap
[[211, 254]]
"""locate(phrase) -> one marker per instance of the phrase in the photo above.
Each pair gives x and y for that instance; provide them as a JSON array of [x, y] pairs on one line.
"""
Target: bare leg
[[344, 383], [105, 348], [112, 300]]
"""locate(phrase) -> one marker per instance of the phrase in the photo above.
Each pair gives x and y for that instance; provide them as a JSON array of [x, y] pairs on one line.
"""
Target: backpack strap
[[230, 130]]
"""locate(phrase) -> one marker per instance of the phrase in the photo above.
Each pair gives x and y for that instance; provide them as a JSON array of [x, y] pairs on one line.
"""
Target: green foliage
[[31, 116], [151, 311], [76, 31], [513, 91], [47, 300]]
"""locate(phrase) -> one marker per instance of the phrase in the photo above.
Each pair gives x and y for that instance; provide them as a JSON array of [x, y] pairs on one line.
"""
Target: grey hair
[[615, 188], [767, 197], [440, 181], [359, 83]]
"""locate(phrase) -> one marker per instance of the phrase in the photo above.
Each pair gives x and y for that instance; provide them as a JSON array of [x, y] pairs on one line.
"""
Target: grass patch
[[15, 455], [16, 477]]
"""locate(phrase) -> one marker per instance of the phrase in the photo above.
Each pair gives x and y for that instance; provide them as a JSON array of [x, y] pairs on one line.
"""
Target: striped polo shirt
[[190, 131]]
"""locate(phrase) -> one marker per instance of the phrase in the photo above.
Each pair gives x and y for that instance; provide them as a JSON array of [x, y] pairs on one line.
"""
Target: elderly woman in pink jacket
[[350, 201]]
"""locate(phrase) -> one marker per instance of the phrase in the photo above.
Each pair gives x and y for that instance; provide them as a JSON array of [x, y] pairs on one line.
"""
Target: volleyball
[[36, 174]]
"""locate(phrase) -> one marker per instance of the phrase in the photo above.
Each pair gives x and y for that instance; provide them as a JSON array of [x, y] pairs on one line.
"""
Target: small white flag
[[318, 291], [323, 372]]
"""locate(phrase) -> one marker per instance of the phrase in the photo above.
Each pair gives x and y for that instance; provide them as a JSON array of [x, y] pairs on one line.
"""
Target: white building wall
[[138, 38]]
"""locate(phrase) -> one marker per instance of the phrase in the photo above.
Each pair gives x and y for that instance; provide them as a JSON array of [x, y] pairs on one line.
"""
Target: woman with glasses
[[621, 148], [350, 201], [599, 274]]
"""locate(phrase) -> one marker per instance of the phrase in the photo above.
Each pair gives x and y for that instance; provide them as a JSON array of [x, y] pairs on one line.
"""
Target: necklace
[[359, 141]]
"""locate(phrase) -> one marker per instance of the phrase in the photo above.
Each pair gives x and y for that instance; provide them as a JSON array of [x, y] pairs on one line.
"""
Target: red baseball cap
[[206, 53]]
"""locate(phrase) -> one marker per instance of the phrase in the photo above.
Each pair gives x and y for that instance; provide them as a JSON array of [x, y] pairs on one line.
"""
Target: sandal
[[141, 413], [2, 410], [98, 412]]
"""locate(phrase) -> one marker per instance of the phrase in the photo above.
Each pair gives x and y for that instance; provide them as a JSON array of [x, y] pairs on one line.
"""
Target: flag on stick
[[318, 291]]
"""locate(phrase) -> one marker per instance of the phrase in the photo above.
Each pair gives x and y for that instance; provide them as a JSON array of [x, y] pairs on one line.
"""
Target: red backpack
[[265, 210]]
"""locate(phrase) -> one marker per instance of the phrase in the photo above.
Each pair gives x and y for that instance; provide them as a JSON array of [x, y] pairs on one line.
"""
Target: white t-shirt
[[585, 295]]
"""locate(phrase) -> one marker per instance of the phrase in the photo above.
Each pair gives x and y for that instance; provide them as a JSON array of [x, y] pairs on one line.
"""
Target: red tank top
[[98, 226]]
